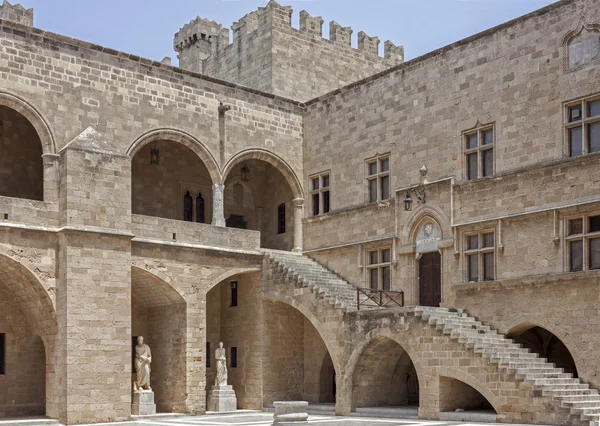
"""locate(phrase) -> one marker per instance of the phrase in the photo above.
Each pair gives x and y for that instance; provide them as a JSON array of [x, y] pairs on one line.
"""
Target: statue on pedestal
[[143, 358], [221, 379]]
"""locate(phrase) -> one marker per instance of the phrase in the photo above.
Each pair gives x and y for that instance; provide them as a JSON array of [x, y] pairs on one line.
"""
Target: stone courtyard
[[360, 232]]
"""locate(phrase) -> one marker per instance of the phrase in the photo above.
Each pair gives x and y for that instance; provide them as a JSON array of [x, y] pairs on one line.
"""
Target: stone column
[[298, 214], [218, 217], [343, 395], [51, 177]]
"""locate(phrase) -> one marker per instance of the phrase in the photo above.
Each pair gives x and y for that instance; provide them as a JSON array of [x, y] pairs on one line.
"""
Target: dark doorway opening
[[430, 279]]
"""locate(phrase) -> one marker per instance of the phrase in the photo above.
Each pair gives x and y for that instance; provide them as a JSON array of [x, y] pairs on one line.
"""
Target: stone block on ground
[[143, 404], [222, 398], [290, 412]]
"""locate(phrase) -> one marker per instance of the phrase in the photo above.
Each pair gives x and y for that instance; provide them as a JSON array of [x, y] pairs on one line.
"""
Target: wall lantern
[[418, 192], [154, 155], [245, 173]]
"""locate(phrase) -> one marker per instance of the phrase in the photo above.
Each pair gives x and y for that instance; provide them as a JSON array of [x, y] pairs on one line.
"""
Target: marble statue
[[143, 358], [221, 379]]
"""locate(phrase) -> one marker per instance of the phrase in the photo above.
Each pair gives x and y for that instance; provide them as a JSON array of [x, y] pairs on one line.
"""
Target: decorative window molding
[[582, 126], [581, 46], [478, 151], [378, 178], [379, 268], [320, 193], [480, 255], [582, 238]]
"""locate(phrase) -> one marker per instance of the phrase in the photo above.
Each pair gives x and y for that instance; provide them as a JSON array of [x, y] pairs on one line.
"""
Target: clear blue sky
[[146, 27]]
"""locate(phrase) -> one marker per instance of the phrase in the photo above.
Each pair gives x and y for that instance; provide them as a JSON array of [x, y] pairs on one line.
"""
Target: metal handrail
[[380, 298]]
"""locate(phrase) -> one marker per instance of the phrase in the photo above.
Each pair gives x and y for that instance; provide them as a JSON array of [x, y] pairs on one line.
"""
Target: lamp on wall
[[245, 173], [418, 192], [154, 155]]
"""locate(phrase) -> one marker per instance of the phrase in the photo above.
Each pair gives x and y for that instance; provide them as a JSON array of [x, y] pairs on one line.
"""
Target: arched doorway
[[258, 197], [327, 384], [545, 344], [21, 170], [384, 376], [159, 314], [27, 325], [429, 261], [170, 180]]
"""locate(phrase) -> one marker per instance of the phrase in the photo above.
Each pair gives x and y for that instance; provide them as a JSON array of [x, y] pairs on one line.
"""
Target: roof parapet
[[16, 13]]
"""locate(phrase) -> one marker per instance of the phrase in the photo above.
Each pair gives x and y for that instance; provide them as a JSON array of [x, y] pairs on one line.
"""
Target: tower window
[[233, 361], [2, 354], [188, 207], [319, 190], [281, 219], [200, 209], [378, 179], [234, 293], [479, 152]]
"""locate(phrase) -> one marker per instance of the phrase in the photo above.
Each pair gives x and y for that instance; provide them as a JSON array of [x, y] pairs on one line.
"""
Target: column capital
[[298, 202]]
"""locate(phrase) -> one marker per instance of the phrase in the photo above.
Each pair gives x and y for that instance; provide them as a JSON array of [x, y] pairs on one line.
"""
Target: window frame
[[380, 266], [480, 252], [233, 294], [479, 150], [233, 357], [378, 176], [320, 192], [281, 219], [585, 237], [583, 123]]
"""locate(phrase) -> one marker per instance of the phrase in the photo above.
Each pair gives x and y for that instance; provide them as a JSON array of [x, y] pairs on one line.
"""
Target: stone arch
[[228, 274], [163, 277], [570, 36], [568, 360], [373, 336], [291, 301], [159, 313], [465, 378], [418, 217], [185, 139], [37, 120], [279, 163], [31, 295]]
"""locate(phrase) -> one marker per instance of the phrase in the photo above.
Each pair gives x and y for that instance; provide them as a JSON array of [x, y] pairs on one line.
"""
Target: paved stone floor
[[265, 419]]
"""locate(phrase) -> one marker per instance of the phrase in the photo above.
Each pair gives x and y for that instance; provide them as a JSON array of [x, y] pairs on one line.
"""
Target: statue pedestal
[[222, 398], [142, 403]]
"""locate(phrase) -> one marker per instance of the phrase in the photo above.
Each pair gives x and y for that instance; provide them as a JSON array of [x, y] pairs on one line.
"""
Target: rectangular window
[[479, 152], [234, 293], [583, 127], [281, 219], [583, 242], [2, 354], [379, 270], [233, 358], [378, 179], [320, 194], [480, 257], [207, 354]]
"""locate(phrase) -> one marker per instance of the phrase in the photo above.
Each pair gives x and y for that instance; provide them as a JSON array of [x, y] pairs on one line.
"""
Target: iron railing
[[380, 298]]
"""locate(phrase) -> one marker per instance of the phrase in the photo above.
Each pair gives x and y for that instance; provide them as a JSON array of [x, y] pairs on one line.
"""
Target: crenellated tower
[[16, 13], [268, 54]]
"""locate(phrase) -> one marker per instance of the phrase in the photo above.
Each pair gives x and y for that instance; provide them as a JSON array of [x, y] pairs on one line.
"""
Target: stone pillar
[[343, 395], [51, 177], [218, 218], [195, 403], [298, 215]]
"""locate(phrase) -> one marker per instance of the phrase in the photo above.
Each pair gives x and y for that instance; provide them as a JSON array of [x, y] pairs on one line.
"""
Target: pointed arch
[[279, 163], [582, 25], [32, 114], [409, 232], [187, 140], [465, 378]]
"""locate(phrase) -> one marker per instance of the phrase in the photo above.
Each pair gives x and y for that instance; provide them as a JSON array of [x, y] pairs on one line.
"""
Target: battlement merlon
[[393, 53], [339, 34], [311, 24], [16, 13], [209, 37], [368, 44]]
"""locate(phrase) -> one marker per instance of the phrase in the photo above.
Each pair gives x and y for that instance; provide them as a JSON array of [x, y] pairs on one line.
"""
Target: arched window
[[200, 208], [188, 207], [281, 219]]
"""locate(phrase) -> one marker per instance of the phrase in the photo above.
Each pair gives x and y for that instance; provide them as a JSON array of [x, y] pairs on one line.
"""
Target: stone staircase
[[305, 272], [571, 393]]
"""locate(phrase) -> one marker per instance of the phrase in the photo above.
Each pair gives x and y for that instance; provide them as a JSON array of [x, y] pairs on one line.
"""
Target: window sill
[[347, 210]]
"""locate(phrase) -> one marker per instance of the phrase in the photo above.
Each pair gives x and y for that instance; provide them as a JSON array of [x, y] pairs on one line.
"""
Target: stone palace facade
[[245, 196]]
